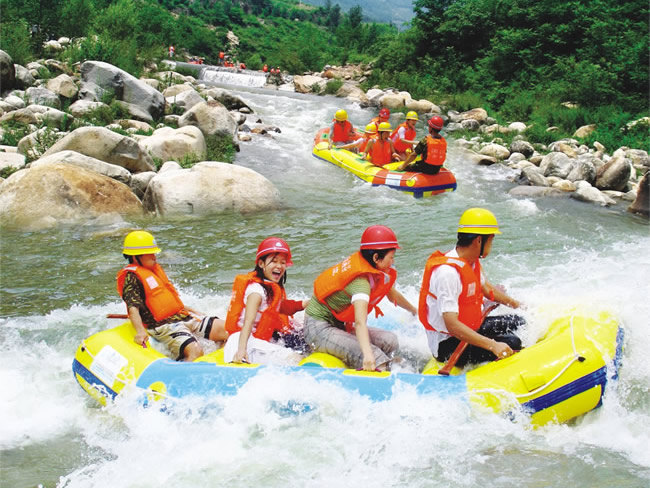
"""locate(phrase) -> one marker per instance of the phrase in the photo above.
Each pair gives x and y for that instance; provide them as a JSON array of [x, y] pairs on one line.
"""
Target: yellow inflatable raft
[[559, 378], [417, 184]]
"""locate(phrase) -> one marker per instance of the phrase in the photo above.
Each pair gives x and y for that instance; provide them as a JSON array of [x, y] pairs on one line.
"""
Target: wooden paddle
[[117, 316], [460, 348]]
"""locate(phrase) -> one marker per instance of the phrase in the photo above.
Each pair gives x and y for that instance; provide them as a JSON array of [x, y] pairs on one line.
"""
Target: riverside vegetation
[[528, 88]]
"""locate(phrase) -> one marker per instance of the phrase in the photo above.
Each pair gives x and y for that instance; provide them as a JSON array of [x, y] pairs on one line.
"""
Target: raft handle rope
[[85, 349], [576, 357]]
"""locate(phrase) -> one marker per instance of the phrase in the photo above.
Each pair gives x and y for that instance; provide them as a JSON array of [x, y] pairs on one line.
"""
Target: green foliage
[[220, 148], [15, 41], [13, 132], [7, 171], [332, 86]]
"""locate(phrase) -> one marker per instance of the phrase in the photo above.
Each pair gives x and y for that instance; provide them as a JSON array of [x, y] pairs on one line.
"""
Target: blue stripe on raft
[[80, 369], [209, 379], [597, 378]]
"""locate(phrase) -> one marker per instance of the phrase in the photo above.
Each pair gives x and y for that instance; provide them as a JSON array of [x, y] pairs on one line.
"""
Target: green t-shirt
[[337, 301]]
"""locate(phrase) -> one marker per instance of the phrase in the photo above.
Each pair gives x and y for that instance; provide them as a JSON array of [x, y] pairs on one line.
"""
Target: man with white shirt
[[452, 295]]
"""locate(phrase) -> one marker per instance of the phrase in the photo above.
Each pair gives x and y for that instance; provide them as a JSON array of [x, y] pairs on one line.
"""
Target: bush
[[15, 41], [220, 148], [333, 86]]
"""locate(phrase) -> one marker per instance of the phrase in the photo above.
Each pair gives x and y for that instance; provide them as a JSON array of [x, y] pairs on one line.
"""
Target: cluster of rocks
[[63, 175], [564, 167]]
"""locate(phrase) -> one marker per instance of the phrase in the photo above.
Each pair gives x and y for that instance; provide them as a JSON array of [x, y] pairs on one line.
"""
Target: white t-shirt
[[258, 289], [446, 285], [400, 134]]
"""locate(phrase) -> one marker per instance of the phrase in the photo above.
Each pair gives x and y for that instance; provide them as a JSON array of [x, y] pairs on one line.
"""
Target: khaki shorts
[[178, 335]]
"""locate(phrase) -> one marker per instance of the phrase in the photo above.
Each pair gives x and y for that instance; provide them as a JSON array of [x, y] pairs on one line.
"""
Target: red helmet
[[379, 237], [272, 245], [436, 122], [384, 112]]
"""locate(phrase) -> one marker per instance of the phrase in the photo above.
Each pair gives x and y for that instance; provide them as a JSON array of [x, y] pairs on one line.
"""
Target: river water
[[554, 254]]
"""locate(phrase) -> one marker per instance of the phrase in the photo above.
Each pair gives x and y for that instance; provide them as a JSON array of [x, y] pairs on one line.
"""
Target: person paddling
[[154, 306], [452, 297], [432, 149], [258, 315], [345, 294]]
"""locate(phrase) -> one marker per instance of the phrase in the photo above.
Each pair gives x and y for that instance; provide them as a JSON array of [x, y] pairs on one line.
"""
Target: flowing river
[[554, 254]]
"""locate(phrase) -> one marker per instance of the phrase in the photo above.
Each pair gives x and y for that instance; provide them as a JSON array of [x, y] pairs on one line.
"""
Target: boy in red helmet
[[432, 149]]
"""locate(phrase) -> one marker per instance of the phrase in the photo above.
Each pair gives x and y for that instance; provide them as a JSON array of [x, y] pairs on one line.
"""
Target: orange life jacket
[[160, 295], [265, 68], [436, 151], [340, 275], [470, 301], [409, 134], [366, 139], [221, 54], [271, 319], [341, 131], [380, 152]]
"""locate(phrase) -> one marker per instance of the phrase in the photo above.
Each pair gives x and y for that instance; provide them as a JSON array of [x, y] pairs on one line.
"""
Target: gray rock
[[124, 86], [535, 192], [523, 147], [42, 96], [583, 169], [105, 145], [556, 164], [212, 118], [615, 174], [24, 78], [7, 72], [82, 161], [531, 175]]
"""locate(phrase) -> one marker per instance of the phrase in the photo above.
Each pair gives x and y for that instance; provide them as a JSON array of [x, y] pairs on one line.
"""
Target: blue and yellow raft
[[417, 184], [559, 378]]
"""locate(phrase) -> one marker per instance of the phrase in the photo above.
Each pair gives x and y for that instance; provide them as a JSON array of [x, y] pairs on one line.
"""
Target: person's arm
[[289, 307], [497, 294], [410, 157], [253, 303], [361, 329], [364, 154], [141, 336], [464, 333], [400, 300]]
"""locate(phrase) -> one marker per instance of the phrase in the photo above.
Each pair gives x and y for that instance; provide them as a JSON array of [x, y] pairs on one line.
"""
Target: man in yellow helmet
[[453, 292], [154, 306]]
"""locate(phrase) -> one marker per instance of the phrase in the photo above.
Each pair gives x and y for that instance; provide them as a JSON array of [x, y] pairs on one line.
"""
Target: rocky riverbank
[[84, 162]]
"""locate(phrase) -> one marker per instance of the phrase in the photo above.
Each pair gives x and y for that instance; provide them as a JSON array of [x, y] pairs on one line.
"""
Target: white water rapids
[[58, 286]]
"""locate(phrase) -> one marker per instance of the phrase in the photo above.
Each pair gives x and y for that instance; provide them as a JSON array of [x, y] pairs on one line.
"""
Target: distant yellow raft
[[561, 377], [417, 184]]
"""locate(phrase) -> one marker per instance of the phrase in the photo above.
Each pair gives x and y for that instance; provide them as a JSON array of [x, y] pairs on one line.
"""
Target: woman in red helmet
[[336, 317], [433, 149], [258, 314]]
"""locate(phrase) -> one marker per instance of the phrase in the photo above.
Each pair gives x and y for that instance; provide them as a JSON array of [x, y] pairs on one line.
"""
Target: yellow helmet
[[341, 115], [412, 115], [384, 127], [478, 221], [139, 242], [371, 129]]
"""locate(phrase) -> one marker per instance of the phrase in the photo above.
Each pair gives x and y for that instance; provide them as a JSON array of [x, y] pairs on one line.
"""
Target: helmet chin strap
[[482, 246]]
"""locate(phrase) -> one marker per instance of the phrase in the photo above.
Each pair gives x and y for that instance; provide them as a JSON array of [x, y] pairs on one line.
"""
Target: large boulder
[[641, 204], [523, 147], [106, 145], [556, 164], [7, 72], [304, 83], [64, 86], [45, 196], [175, 144], [77, 159], [81, 108], [478, 114], [42, 96], [211, 117], [184, 100], [124, 86], [393, 101], [615, 174], [24, 78], [210, 187], [227, 99], [423, 107]]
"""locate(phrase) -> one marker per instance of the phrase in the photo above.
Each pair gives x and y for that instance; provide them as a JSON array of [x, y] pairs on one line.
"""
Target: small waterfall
[[233, 76]]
